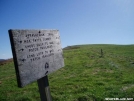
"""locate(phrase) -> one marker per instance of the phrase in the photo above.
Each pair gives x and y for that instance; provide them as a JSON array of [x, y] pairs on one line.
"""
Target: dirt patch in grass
[[71, 47], [127, 87]]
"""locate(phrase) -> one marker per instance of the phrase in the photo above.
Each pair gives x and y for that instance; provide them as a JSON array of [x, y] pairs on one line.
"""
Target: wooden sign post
[[43, 85], [36, 54]]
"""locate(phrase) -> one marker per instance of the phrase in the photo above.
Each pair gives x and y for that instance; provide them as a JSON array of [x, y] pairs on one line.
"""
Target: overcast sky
[[79, 21]]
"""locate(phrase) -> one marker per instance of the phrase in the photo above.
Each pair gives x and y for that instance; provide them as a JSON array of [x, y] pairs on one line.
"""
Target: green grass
[[85, 77]]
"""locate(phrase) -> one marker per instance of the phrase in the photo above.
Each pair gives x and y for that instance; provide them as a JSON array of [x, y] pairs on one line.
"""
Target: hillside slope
[[2, 59], [91, 73]]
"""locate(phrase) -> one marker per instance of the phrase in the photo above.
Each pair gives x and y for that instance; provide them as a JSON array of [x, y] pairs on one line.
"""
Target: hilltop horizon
[[76, 45]]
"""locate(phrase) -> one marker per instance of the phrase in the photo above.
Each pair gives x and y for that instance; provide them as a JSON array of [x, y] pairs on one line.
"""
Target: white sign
[[36, 53]]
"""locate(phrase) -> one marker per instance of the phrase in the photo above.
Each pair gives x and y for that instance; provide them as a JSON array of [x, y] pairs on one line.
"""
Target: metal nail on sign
[[36, 53]]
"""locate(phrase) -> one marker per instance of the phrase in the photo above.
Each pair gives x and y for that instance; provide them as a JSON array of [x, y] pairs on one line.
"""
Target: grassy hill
[[3, 61], [87, 76]]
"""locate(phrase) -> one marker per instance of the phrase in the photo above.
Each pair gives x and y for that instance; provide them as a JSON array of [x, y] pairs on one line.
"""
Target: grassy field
[[87, 76]]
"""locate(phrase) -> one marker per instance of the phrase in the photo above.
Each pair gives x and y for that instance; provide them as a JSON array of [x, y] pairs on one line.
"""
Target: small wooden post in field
[[101, 53]]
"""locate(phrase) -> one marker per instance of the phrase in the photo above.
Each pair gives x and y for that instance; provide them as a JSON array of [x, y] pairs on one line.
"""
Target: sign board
[[36, 53]]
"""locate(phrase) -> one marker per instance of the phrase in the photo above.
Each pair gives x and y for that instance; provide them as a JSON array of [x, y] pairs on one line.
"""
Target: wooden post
[[44, 90], [101, 53]]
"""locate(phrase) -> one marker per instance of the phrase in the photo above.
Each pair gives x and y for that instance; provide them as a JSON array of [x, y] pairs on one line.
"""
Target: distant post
[[36, 54], [101, 53]]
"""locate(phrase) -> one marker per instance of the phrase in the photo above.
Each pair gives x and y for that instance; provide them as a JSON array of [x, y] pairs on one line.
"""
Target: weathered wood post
[[36, 54], [44, 89], [101, 53]]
